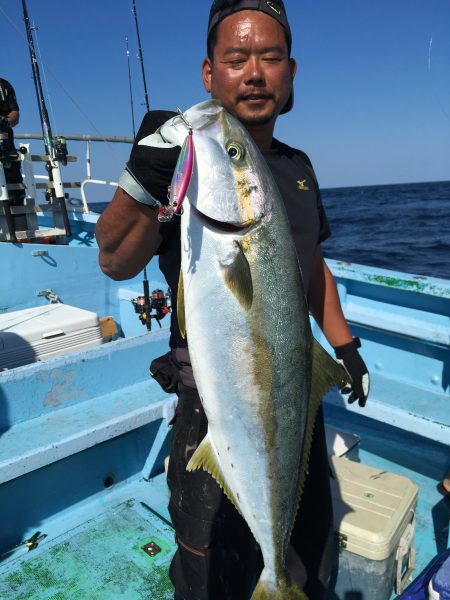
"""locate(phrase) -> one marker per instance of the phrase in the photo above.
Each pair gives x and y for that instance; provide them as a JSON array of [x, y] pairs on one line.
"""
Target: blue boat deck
[[103, 557], [83, 437], [99, 508]]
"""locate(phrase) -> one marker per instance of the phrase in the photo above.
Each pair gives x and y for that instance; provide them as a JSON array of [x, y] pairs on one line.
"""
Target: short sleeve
[[324, 230], [12, 100], [149, 171]]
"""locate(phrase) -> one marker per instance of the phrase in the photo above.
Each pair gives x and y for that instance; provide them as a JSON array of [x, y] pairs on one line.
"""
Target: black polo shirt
[[8, 103]]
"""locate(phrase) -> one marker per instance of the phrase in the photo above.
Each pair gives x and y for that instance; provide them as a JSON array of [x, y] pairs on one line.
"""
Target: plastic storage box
[[374, 520], [43, 332]]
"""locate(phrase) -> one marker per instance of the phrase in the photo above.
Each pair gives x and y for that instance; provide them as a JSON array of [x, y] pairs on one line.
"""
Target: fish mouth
[[222, 226]]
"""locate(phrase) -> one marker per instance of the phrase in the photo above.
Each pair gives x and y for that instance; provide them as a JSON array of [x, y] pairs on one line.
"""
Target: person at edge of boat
[[250, 71], [9, 117], [444, 485]]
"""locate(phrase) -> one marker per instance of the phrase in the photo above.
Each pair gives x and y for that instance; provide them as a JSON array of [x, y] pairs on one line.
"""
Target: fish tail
[[281, 590]]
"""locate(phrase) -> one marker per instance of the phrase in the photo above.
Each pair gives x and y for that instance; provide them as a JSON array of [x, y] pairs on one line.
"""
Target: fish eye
[[235, 151]]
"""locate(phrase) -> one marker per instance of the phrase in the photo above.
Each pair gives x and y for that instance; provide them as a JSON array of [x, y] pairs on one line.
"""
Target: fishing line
[[131, 87], [140, 55], [36, 37], [74, 102]]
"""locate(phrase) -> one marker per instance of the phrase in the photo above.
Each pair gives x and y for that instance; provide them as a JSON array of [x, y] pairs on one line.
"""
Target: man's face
[[251, 73]]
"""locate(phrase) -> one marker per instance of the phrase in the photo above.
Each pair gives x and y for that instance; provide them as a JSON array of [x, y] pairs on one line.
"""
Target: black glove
[[349, 357], [154, 166], [4, 124]]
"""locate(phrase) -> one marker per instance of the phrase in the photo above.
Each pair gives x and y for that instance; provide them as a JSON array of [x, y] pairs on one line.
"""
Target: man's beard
[[256, 119]]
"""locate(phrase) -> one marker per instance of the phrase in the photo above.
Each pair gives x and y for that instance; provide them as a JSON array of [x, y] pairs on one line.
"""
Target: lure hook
[[185, 121]]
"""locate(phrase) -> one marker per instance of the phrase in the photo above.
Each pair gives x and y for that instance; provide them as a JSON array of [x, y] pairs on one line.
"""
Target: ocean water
[[400, 227]]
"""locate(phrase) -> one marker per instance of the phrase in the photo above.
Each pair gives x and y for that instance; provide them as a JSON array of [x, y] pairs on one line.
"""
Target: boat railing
[[88, 179], [18, 220], [403, 322]]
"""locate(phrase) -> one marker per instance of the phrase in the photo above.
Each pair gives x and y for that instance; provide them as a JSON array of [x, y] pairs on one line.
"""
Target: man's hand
[[349, 357], [154, 159]]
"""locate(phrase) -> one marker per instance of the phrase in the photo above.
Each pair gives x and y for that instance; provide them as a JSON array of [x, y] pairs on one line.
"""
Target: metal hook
[[185, 121]]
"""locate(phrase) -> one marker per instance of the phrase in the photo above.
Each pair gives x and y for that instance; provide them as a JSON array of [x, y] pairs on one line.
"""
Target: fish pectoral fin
[[238, 278], [205, 458], [180, 306], [325, 373]]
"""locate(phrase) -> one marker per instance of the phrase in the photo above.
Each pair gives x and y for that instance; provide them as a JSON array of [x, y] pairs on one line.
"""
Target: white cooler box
[[374, 514], [35, 334]]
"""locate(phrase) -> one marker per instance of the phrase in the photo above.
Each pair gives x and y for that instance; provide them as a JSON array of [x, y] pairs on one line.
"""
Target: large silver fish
[[259, 373]]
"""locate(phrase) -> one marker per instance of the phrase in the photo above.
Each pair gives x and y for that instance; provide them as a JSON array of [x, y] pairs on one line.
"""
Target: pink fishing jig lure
[[180, 181]]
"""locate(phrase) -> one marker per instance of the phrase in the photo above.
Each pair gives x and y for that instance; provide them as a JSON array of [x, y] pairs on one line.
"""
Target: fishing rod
[[145, 304], [55, 147], [43, 114], [141, 58], [131, 87]]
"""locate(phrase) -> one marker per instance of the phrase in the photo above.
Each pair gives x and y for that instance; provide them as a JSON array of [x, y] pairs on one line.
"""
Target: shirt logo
[[302, 185], [273, 7]]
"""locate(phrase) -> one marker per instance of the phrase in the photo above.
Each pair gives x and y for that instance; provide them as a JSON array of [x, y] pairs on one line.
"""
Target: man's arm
[[12, 118], [127, 235], [325, 306]]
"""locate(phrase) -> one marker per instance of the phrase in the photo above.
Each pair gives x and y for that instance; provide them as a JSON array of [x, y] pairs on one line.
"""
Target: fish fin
[[238, 278], [180, 306], [284, 589], [205, 458], [325, 373]]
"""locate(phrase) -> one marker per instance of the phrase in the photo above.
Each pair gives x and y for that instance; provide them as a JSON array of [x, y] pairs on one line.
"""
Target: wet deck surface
[[99, 560]]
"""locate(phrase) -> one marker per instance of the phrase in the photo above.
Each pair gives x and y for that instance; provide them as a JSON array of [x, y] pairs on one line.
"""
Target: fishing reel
[[60, 148], [158, 301]]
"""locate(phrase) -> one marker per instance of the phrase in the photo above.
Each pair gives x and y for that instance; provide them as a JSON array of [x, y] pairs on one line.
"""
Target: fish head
[[230, 183]]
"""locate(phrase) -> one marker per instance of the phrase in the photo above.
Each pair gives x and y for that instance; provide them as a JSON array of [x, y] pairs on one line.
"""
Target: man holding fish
[[249, 445]]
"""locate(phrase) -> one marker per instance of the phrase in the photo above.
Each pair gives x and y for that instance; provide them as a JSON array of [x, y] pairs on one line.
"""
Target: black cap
[[224, 8], [221, 9]]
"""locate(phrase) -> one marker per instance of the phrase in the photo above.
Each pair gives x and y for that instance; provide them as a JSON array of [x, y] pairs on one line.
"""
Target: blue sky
[[372, 93]]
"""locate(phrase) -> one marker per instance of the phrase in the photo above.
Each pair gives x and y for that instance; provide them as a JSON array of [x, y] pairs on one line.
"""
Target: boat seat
[[35, 443], [53, 409]]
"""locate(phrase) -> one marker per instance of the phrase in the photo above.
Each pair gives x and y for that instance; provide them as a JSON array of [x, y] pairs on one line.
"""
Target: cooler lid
[[371, 507], [39, 323]]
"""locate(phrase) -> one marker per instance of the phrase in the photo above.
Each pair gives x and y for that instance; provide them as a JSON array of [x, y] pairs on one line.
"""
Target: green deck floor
[[100, 560]]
